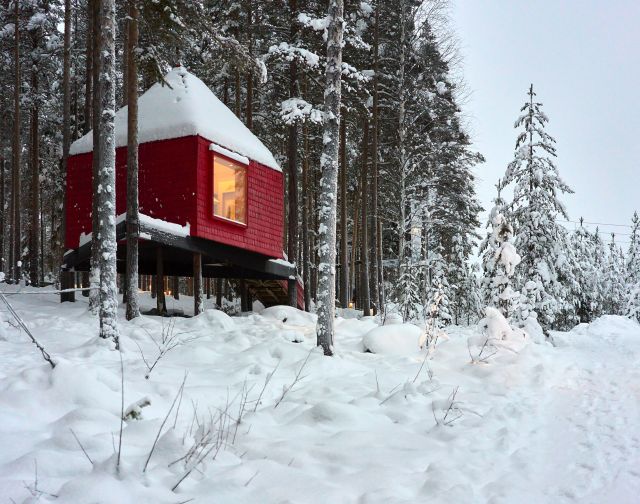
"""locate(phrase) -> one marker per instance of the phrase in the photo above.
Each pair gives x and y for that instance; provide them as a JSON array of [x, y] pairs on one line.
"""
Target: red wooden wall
[[265, 208], [167, 185], [176, 185]]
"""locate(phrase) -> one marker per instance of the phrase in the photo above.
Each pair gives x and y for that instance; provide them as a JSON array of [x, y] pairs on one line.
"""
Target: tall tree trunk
[[16, 247], [198, 298], [404, 257], [95, 294], [88, 83], [345, 291], [2, 195], [306, 264], [35, 182], [292, 161], [364, 240], [378, 279], [329, 181], [66, 280], [161, 302], [107, 177], [249, 104], [133, 209]]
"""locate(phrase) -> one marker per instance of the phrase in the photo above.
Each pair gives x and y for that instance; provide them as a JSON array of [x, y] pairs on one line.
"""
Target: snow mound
[[184, 106], [289, 315], [395, 339]]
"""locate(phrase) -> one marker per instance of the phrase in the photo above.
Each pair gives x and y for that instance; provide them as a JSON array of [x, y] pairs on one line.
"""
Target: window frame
[[212, 165]]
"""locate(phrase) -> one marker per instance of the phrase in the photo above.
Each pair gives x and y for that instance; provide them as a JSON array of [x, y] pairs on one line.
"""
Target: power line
[[595, 223]]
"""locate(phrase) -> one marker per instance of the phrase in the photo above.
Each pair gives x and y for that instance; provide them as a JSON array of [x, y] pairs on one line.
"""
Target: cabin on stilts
[[210, 192]]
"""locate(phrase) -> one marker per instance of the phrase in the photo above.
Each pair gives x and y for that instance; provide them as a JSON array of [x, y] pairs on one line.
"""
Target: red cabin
[[207, 185]]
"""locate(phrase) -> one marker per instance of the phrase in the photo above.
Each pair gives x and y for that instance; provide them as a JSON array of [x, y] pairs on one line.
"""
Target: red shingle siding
[[265, 208], [166, 183], [176, 185]]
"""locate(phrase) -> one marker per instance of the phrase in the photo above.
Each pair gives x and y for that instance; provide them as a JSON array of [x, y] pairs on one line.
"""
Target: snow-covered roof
[[185, 107]]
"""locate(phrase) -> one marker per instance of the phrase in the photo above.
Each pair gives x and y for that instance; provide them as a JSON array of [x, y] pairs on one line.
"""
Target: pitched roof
[[185, 106]]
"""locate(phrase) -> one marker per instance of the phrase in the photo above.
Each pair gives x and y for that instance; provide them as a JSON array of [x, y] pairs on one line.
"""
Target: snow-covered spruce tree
[[328, 182], [535, 207], [439, 291], [632, 288], [499, 260], [583, 290], [106, 191], [633, 254], [614, 279]]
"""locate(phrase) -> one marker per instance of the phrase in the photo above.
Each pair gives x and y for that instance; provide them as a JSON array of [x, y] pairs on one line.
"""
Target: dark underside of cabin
[[166, 254]]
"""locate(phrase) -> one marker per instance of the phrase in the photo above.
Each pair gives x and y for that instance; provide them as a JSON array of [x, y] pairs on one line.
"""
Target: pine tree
[[535, 207]]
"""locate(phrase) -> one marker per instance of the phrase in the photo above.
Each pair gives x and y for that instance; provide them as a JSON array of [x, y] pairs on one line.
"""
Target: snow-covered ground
[[536, 424]]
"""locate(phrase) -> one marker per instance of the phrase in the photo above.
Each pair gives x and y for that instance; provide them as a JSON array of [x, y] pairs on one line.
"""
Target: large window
[[229, 190]]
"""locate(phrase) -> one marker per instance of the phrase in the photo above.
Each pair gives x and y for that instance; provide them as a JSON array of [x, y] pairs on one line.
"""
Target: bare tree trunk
[[345, 293], [198, 297], [16, 146], [219, 292], [329, 181], [249, 104], [364, 240], [161, 303], [377, 222], [2, 195], [35, 182], [292, 163], [355, 240], [238, 95], [106, 193], [306, 264], [88, 83], [175, 287], [95, 294], [133, 209]]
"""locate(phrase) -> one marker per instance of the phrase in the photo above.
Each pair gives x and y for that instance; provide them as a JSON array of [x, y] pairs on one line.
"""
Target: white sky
[[583, 57]]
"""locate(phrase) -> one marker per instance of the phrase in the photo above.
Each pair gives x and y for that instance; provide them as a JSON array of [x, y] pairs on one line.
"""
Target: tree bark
[[16, 146], [306, 264], [133, 208], [198, 297], [364, 241], [219, 292], [292, 164], [88, 83], [106, 194], [249, 104], [95, 293], [161, 304], [377, 222], [345, 293], [329, 180], [175, 287], [35, 182]]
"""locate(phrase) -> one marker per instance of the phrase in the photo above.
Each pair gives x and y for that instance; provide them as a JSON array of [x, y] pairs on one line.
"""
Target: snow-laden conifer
[[537, 187]]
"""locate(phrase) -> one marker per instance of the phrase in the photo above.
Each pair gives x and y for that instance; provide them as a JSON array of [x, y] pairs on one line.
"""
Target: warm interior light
[[350, 305], [229, 196]]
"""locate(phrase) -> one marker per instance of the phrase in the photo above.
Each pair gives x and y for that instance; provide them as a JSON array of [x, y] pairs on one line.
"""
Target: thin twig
[[266, 382], [45, 354], [81, 447], [297, 378], [155, 442]]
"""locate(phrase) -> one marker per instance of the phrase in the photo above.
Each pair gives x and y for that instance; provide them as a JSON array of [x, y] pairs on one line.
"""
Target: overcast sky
[[583, 58]]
